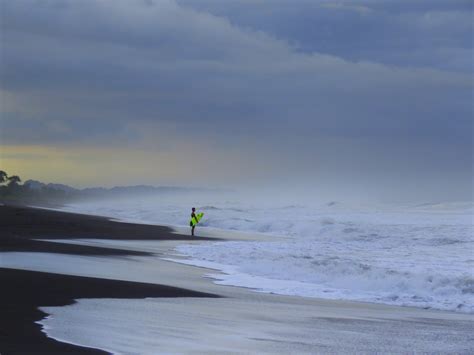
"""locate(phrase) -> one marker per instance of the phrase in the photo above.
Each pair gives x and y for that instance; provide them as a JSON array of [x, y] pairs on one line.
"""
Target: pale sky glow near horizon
[[370, 98]]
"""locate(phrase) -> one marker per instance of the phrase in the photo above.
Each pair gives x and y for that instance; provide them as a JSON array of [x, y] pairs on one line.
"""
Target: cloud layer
[[312, 91]]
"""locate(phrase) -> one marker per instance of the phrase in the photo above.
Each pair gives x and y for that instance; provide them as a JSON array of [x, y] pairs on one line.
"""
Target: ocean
[[419, 255]]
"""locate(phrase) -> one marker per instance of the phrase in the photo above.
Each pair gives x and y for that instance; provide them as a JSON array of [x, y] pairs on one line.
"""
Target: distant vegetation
[[33, 192], [12, 191]]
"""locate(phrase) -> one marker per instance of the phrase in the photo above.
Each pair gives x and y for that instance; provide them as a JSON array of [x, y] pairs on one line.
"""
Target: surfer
[[194, 221], [195, 218]]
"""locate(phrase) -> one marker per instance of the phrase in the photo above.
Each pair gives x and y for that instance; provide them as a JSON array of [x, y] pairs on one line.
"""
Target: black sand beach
[[24, 291], [212, 318]]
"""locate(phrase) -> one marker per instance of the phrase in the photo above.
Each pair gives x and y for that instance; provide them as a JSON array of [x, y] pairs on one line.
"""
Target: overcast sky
[[368, 96]]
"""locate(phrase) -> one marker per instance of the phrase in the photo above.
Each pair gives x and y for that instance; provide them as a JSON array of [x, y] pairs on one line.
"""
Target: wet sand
[[22, 291]]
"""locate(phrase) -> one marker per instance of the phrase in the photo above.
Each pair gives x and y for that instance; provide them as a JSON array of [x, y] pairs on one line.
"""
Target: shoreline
[[29, 290], [260, 321], [383, 268], [24, 291]]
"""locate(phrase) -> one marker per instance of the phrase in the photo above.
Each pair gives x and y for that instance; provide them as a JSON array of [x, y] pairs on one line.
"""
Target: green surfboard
[[195, 220]]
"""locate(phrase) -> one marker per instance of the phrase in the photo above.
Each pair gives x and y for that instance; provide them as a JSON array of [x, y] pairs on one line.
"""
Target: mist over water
[[416, 254]]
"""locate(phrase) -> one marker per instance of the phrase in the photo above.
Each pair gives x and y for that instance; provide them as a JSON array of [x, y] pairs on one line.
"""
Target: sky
[[369, 98]]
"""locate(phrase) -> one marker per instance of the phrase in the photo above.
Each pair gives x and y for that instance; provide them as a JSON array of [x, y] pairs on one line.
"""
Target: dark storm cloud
[[417, 33], [356, 83]]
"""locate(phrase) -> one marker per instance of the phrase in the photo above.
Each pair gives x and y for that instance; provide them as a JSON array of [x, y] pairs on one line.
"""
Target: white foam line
[[44, 329]]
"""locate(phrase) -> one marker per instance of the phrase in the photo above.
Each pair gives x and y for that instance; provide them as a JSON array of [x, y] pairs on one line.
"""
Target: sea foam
[[420, 255]]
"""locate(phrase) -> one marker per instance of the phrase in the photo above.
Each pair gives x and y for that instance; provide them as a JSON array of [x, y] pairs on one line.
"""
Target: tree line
[[11, 181], [13, 192]]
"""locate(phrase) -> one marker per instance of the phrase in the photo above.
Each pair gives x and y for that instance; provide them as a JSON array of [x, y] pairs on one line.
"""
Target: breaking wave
[[418, 255]]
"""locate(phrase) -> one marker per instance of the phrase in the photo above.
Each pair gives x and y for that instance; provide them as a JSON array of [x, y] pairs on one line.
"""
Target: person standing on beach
[[193, 221]]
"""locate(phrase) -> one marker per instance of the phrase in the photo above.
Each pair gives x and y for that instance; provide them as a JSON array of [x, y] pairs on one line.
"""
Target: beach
[[24, 291], [132, 299]]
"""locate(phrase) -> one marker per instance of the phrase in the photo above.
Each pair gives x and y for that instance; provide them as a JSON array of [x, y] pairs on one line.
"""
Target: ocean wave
[[418, 256], [210, 208], [315, 275]]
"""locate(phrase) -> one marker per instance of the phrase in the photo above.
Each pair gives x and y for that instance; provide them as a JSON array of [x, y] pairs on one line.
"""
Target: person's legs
[[192, 230]]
